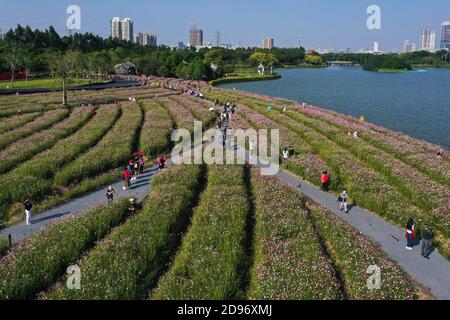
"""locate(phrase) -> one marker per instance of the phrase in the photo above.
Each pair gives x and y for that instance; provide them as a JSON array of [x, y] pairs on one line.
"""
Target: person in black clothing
[[132, 208], [425, 247]]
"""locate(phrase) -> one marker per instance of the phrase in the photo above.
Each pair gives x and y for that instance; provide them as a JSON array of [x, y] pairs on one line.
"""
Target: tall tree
[[12, 58]]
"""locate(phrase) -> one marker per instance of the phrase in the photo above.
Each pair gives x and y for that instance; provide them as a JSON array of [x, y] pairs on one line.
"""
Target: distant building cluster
[[123, 30], [427, 40]]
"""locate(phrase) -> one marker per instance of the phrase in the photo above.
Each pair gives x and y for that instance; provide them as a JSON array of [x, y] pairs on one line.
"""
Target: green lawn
[[41, 83]]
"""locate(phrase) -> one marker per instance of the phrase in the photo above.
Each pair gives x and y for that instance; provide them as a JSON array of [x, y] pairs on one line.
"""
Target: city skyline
[[325, 25]]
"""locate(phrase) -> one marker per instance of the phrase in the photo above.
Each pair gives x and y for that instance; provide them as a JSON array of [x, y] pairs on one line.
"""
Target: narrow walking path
[[139, 189]]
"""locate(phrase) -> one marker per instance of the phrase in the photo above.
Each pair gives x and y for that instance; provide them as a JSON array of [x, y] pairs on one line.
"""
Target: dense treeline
[[32, 51], [392, 61]]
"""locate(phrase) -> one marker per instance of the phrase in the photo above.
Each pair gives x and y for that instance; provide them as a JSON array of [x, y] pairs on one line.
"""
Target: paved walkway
[[139, 189]]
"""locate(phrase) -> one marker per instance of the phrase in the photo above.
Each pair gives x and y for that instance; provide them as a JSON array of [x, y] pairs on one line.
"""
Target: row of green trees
[[392, 61], [33, 51]]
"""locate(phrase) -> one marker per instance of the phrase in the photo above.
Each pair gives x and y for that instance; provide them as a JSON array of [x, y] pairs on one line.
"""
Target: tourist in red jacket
[[126, 178], [325, 180], [161, 162]]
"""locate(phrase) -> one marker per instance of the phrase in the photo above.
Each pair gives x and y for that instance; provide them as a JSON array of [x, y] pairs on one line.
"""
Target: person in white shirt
[[285, 155], [343, 199]]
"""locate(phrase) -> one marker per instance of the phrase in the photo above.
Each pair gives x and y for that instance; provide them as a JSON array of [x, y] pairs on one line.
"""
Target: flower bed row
[[17, 121], [418, 188], [24, 149], [353, 253], [113, 151], [289, 263], [304, 163], [34, 177], [129, 260], [24, 109], [47, 120], [156, 131], [183, 118], [368, 188], [427, 158], [38, 262], [207, 264], [198, 108]]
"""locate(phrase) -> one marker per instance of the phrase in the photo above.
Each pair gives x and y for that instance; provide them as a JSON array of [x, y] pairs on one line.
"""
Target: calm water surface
[[416, 103]]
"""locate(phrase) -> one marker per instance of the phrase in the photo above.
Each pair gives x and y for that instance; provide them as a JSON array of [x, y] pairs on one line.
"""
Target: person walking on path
[[285, 155], [110, 194], [136, 168], [425, 246], [252, 148], [343, 198], [161, 161], [126, 178], [325, 180], [141, 164], [409, 234], [131, 168], [132, 208], [28, 207]]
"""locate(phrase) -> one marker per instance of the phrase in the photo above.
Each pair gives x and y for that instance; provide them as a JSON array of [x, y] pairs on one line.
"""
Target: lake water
[[416, 103]]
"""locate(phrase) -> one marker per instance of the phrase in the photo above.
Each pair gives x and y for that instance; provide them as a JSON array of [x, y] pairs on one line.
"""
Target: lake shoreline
[[383, 98]]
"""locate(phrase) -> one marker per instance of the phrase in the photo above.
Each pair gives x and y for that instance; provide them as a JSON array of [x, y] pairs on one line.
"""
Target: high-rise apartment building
[[146, 39], [427, 40], [116, 28], [152, 40], [122, 29], [268, 43], [445, 37], [375, 47], [195, 36], [127, 29], [409, 46]]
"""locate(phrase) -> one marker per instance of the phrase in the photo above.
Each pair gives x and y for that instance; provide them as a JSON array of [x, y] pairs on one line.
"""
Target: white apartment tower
[[116, 28], [127, 29], [427, 40], [122, 29]]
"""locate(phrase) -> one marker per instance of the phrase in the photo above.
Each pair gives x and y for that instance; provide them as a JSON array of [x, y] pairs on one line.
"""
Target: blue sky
[[319, 23]]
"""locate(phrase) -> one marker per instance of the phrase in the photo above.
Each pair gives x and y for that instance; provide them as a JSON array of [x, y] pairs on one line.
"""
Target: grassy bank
[[52, 84], [245, 78]]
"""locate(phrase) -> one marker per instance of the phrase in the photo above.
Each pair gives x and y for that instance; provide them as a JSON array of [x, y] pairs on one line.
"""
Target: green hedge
[[38, 262], [207, 264]]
